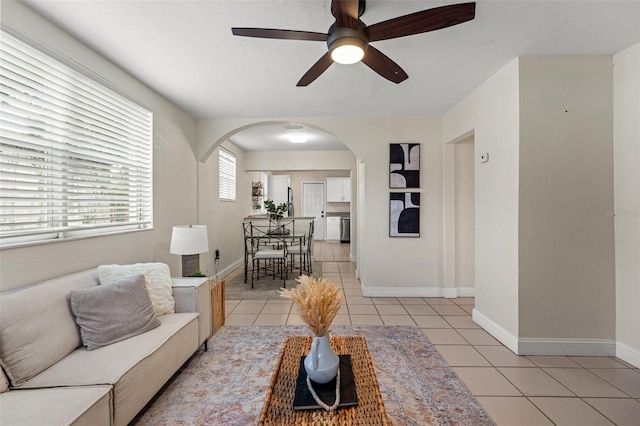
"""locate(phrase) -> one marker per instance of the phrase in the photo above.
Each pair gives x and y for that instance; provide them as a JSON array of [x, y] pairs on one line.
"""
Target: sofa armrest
[[194, 295]]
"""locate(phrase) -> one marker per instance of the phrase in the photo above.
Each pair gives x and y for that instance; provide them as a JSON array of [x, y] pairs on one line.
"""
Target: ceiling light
[[298, 138], [347, 51]]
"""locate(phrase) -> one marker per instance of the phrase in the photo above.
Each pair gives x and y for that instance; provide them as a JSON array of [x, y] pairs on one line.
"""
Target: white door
[[313, 206]]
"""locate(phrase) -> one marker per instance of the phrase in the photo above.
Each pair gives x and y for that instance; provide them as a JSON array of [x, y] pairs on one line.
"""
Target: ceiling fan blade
[[383, 65], [422, 22], [279, 34], [316, 70], [346, 12]]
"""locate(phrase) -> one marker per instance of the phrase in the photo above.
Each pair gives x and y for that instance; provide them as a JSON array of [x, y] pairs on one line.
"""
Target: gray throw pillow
[[109, 314]]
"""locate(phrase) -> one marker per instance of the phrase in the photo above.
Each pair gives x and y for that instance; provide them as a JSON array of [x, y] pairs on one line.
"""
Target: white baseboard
[[455, 292], [506, 338], [630, 355], [229, 269], [417, 292], [402, 291], [574, 347], [547, 346]]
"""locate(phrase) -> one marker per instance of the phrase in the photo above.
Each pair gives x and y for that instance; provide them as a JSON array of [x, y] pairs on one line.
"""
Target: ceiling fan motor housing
[[340, 36]]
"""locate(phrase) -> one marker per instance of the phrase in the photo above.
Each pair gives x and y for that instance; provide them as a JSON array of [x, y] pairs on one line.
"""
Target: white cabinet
[[338, 190], [333, 228]]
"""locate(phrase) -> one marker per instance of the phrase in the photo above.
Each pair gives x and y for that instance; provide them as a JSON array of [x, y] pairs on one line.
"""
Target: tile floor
[[514, 390]]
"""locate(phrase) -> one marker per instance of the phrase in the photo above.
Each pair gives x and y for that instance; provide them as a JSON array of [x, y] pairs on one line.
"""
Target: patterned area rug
[[227, 384]]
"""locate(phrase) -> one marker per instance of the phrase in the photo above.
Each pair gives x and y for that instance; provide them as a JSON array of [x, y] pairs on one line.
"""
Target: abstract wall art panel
[[404, 214], [404, 165]]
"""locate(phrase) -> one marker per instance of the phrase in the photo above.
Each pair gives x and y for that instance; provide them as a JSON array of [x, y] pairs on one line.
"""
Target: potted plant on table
[[276, 212]]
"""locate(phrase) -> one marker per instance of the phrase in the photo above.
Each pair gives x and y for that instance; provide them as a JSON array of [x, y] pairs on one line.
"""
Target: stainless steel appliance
[[345, 229], [290, 208]]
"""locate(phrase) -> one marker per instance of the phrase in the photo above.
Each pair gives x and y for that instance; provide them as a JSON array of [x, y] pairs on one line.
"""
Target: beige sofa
[[52, 379]]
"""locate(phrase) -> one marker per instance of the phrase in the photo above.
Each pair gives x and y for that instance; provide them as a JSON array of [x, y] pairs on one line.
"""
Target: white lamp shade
[[189, 239]]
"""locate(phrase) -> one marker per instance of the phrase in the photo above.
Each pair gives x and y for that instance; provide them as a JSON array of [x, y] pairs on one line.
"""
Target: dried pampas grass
[[318, 302]]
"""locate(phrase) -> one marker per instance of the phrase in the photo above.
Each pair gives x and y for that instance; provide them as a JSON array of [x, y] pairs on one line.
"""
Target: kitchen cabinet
[[338, 190], [333, 228]]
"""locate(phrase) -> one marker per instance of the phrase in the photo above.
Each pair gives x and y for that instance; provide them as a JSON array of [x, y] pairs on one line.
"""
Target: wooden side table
[[217, 305]]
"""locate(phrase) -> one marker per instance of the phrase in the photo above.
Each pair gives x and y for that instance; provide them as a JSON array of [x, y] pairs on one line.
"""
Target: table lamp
[[189, 241]]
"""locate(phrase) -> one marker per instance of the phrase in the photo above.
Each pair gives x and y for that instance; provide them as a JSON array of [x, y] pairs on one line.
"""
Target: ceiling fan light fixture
[[347, 45], [298, 138], [347, 54]]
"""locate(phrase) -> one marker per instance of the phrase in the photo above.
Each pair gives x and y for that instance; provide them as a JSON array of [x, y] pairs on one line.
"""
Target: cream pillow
[[157, 280]]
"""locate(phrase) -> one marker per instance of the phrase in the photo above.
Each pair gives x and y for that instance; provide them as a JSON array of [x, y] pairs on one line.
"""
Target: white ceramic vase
[[321, 364]]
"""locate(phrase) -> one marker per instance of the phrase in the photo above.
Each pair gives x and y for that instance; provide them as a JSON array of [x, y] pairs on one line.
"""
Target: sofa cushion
[[37, 328], [4, 382], [109, 314], [77, 406], [157, 280], [137, 367]]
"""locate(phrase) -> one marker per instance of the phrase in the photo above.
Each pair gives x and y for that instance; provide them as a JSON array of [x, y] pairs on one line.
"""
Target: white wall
[[627, 202], [223, 218], [174, 162], [544, 248], [566, 247], [491, 112], [282, 161]]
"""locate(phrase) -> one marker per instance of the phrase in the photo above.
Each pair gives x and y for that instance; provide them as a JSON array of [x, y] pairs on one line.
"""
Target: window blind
[[75, 156], [227, 175]]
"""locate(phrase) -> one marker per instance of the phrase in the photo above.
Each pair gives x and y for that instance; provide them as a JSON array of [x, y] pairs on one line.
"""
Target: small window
[[227, 175], [75, 156]]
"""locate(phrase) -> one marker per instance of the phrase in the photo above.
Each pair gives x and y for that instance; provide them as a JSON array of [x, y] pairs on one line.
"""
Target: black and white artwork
[[404, 165], [404, 214]]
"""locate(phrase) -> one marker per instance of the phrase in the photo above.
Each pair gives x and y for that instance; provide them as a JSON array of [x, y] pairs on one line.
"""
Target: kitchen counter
[[265, 216]]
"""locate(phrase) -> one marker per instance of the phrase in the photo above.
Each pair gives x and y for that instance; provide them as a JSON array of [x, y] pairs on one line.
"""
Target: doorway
[[459, 217], [313, 206], [464, 189]]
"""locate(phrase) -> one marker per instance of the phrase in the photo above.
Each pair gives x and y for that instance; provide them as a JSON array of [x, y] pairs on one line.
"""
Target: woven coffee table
[[278, 404]]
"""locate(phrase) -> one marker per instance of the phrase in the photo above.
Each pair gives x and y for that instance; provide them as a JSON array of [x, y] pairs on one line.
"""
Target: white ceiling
[[185, 51], [274, 137]]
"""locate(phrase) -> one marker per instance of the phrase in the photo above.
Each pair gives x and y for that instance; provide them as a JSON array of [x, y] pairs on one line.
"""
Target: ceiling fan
[[348, 38]]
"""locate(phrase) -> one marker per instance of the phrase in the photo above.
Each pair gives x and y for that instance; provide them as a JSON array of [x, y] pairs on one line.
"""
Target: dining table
[[264, 235]]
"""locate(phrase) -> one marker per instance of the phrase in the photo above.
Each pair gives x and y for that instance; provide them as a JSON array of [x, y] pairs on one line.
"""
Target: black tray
[[303, 399]]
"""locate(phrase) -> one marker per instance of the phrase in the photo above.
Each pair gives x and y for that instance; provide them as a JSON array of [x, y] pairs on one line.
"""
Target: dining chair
[[305, 252], [248, 249], [269, 248]]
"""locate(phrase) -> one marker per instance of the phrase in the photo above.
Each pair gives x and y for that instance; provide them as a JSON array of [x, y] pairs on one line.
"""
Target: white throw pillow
[[157, 280]]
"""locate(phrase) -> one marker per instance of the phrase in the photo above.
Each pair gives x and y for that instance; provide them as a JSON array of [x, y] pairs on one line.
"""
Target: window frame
[[227, 179], [82, 167]]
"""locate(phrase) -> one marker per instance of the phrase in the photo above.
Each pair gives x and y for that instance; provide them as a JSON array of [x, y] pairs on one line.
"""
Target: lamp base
[[190, 264]]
